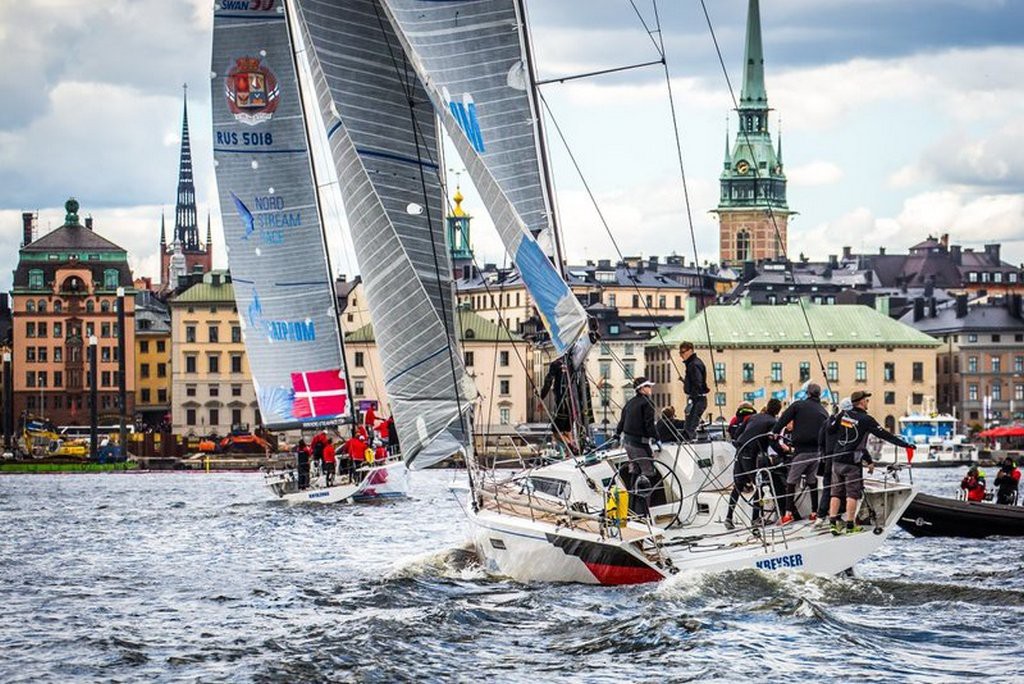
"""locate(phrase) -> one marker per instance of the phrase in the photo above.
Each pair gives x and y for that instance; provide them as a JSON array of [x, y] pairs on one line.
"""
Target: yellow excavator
[[41, 439]]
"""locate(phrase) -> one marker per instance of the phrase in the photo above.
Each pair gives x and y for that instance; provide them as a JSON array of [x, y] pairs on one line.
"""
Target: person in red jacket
[[974, 484], [330, 462], [355, 447]]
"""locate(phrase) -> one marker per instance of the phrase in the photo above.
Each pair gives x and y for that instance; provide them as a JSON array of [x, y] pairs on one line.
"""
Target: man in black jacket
[[827, 438], [636, 430], [852, 429], [695, 387], [807, 416], [750, 443]]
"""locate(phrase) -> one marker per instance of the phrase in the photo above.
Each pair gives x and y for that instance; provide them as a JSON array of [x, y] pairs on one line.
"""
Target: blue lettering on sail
[[278, 331], [465, 113], [271, 221], [245, 139]]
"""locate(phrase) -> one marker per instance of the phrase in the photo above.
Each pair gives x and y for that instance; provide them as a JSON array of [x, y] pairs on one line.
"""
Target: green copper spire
[[71, 207], [753, 95]]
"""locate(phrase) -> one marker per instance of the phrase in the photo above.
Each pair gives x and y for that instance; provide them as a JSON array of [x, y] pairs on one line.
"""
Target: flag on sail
[[476, 49], [283, 290], [386, 153]]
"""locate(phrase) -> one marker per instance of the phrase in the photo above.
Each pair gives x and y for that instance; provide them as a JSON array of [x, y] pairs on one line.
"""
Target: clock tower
[[752, 210]]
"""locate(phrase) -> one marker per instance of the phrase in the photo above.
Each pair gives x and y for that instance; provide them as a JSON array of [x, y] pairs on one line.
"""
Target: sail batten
[[283, 287]]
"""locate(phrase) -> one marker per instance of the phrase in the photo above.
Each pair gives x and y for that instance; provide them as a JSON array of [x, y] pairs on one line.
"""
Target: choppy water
[[165, 577]]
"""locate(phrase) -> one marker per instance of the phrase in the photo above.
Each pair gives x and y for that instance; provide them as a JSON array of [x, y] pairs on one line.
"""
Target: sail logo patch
[[465, 113], [319, 393], [270, 219], [278, 331], [251, 91]]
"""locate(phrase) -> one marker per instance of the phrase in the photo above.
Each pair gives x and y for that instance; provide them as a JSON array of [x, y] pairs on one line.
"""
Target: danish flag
[[319, 394]]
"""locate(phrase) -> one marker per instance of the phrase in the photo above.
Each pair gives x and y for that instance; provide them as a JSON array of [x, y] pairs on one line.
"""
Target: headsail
[[470, 55], [283, 288], [384, 143]]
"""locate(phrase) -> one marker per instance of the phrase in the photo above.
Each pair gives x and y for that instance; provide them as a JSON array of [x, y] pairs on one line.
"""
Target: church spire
[[163, 231], [209, 233], [753, 95], [185, 229]]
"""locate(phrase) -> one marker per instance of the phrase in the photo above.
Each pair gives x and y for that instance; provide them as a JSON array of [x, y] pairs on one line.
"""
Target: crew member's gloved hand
[[657, 445]]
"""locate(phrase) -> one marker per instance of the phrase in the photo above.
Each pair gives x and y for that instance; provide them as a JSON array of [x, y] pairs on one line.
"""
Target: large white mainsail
[[283, 288], [384, 142], [470, 57]]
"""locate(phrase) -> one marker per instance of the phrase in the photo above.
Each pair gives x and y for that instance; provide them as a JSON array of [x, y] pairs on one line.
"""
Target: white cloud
[[815, 173]]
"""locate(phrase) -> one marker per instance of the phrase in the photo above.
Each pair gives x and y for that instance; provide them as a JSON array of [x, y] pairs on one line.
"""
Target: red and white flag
[[319, 394]]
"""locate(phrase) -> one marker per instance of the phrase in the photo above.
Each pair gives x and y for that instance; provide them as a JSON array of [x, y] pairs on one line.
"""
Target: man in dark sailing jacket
[[749, 444], [853, 428], [807, 416], [695, 387], [1007, 481], [636, 430]]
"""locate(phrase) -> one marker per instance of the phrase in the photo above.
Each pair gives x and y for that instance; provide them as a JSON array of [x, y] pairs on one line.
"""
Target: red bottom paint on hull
[[617, 574]]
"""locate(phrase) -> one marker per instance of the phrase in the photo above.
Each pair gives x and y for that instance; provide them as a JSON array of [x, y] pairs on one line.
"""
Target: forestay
[[386, 155], [470, 56], [283, 288]]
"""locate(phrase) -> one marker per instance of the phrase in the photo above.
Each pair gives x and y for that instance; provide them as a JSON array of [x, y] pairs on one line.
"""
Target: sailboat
[[385, 73], [276, 248]]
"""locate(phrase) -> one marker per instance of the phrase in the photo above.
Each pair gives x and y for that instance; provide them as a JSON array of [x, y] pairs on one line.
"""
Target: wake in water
[[458, 563]]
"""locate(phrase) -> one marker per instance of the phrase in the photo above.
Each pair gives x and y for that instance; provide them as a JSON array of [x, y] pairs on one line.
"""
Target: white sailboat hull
[[386, 481]]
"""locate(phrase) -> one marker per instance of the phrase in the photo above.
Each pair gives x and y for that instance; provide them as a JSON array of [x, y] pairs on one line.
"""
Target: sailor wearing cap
[[636, 430]]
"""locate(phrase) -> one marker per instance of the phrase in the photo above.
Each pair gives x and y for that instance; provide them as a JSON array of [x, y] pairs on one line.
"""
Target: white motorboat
[[554, 524], [377, 482], [937, 441]]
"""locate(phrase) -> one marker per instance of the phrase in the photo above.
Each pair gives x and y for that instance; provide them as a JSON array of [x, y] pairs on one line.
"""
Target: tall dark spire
[[186, 231], [753, 95], [163, 231]]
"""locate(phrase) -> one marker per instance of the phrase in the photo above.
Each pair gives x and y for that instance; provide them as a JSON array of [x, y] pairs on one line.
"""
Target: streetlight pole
[[8, 416], [93, 399], [122, 385]]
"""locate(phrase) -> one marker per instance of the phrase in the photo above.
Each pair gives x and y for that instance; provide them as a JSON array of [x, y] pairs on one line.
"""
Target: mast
[[540, 138], [320, 213]]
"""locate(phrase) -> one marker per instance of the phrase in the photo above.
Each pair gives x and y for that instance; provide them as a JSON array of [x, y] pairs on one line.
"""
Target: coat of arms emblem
[[251, 90]]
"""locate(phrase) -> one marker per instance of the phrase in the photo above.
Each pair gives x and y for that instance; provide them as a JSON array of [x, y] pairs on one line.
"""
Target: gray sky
[[899, 118]]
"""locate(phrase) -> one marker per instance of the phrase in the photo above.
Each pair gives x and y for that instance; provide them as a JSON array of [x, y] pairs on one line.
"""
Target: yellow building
[[496, 360], [762, 351], [152, 358], [211, 386]]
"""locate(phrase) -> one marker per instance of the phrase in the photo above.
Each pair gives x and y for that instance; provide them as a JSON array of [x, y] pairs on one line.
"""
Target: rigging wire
[[771, 213]]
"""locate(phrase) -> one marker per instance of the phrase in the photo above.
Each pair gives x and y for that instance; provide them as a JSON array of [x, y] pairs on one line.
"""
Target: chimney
[[944, 241], [956, 255], [833, 261], [961, 306], [652, 264], [992, 252], [88, 222], [28, 222], [467, 271], [215, 279], [604, 263], [749, 271], [932, 308], [929, 288], [918, 309], [881, 251], [227, 278], [847, 253]]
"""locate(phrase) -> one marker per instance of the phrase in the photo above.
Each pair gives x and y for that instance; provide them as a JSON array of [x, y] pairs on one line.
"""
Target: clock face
[[742, 167]]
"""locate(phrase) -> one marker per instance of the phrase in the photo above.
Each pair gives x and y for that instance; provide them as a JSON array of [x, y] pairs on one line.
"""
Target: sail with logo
[[272, 230], [386, 153], [474, 62]]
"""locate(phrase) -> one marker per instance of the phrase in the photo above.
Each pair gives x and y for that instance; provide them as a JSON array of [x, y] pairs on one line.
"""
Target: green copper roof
[[206, 292], [753, 94], [473, 328], [840, 325]]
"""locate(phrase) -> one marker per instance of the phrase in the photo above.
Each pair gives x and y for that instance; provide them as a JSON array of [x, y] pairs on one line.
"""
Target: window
[[890, 398], [636, 301], [236, 363], [662, 302], [805, 371], [214, 417], [58, 378], [358, 361], [213, 363], [359, 387], [161, 370], [144, 370], [161, 346], [58, 354], [995, 338], [161, 396], [190, 390], [58, 329], [504, 415], [997, 363], [629, 349], [679, 302], [145, 395], [105, 379], [605, 369], [832, 371], [105, 306], [214, 390], [1018, 392], [90, 306], [889, 371], [503, 359], [190, 333], [1018, 364], [719, 372], [236, 334], [35, 279], [30, 306], [236, 390], [30, 379], [190, 363], [110, 279], [917, 373], [42, 378], [468, 359], [105, 354], [190, 416], [972, 364], [41, 328], [213, 333], [972, 392], [748, 372], [30, 329], [504, 387], [104, 329], [972, 337], [611, 300], [860, 371], [997, 392], [236, 416], [144, 347], [972, 277], [41, 306], [629, 368], [30, 354], [776, 371]]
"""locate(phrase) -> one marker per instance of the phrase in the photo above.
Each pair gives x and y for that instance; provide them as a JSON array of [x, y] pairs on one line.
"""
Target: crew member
[[636, 428], [827, 438], [973, 484], [1007, 481], [853, 428], [329, 462], [695, 387], [668, 428], [302, 463], [807, 416], [743, 412], [749, 445]]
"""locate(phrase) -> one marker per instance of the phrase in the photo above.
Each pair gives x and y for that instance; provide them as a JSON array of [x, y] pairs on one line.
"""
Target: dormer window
[[35, 279], [110, 279], [972, 277]]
